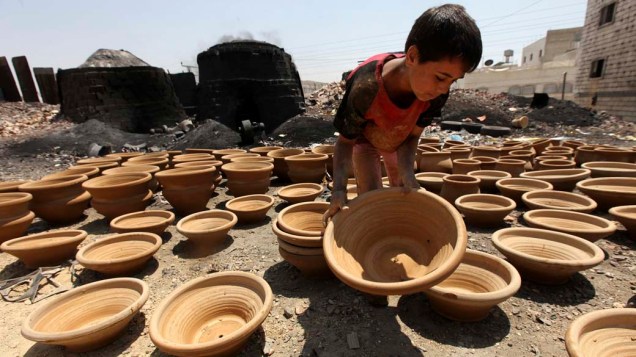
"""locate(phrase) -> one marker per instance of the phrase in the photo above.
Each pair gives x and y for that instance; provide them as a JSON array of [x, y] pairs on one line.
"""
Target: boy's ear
[[412, 55]]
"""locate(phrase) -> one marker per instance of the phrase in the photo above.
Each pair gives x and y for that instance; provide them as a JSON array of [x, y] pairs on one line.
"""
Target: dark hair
[[446, 31]]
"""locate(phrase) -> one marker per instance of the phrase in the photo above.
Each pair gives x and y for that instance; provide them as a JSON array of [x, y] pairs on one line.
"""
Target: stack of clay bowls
[[610, 192], [150, 169], [306, 167], [562, 200], [300, 192], [208, 229], [484, 210], [247, 178], [187, 188], [89, 316], [58, 200], [280, 165], [582, 225], [488, 179], [151, 221], [561, 179], [250, 208], [626, 215], [610, 169], [45, 249], [514, 188], [115, 195], [159, 160], [609, 332], [213, 315], [455, 186], [15, 217], [407, 244]]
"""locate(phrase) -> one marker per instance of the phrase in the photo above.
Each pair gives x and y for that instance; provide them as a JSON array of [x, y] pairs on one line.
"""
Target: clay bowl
[[310, 261], [300, 192], [407, 244], [488, 151], [297, 240], [248, 178], [16, 226], [555, 164], [89, 316], [207, 229], [160, 162], [99, 160], [10, 186], [489, 179], [205, 163], [198, 151], [566, 201], [213, 315], [326, 149], [487, 162], [484, 210], [250, 208], [480, 282], [431, 181], [263, 150], [59, 200], [120, 186], [456, 186], [610, 169], [125, 156], [218, 154], [514, 188], [150, 169], [582, 225], [603, 333], [545, 256], [303, 218], [151, 221], [45, 249], [561, 179], [280, 165], [306, 167], [610, 192], [188, 189], [15, 217], [88, 171], [626, 215], [252, 159], [114, 208], [225, 159], [464, 166], [119, 254]]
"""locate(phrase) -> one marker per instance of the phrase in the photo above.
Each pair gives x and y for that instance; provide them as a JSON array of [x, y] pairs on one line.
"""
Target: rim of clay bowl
[[282, 153], [506, 203], [116, 238], [243, 166], [570, 174], [53, 183], [89, 171], [230, 216], [603, 226], [623, 211], [151, 169], [597, 320], [182, 171], [48, 239], [301, 241], [267, 199], [516, 181], [583, 203], [312, 206], [592, 184], [317, 189], [165, 217], [264, 149], [14, 198], [490, 174], [133, 178]]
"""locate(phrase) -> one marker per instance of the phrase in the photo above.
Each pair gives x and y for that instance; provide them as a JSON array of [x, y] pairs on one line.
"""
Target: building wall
[[531, 54], [615, 42], [560, 41]]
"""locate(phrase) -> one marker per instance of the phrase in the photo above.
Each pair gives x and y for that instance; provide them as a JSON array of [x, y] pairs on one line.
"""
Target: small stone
[[330, 309], [300, 310], [268, 349], [515, 311], [618, 305], [288, 312]]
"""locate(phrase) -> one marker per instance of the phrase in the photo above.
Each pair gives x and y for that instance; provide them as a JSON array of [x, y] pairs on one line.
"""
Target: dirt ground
[[314, 317]]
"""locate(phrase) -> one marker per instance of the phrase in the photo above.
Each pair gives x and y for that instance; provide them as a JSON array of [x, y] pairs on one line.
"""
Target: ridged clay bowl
[[626, 215], [566, 201], [603, 333], [295, 239], [15, 217], [250, 208], [484, 210], [303, 218], [586, 226], [545, 256], [310, 261], [431, 181], [151, 221], [610, 169], [514, 188], [207, 229], [610, 192], [300, 192], [407, 244], [45, 249], [489, 178], [89, 316], [119, 254], [561, 179], [480, 282], [59, 200], [213, 315]]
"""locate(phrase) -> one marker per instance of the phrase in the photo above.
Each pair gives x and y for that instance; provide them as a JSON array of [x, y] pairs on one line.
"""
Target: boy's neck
[[396, 82]]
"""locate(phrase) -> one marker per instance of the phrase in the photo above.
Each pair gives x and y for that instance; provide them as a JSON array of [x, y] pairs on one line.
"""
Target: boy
[[390, 98]]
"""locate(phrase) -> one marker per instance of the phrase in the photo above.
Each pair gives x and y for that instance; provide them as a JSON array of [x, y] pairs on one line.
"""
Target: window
[[607, 14], [540, 53], [531, 57], [524, 59], [597, 68]]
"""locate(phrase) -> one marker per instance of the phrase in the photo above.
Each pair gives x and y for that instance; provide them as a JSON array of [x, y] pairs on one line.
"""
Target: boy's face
[[432, 78]]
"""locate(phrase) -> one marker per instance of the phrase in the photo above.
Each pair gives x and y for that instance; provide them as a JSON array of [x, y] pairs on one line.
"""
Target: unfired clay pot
[[555, 164], [459, 152], [99, 160], [207, 229], [89, 316], [160, 162], [115, 195], [280, 165], [303, 218], [15, 217], [626, 215], [484, 210], [514, 188], [610, 192], [306, 167], [566, 201], [488, 151], [488, 179], [582, 225], [310, 261], [225, 159], [610, 169], [247, 178], [300, 192], [312, 241], [187, 188], [615, 154], [125, 156], [434, 162], [88, 171], [207, 163], [150, 169], [574, 144], [213, 315], [585, 154], [487, 162], [431, 181], [119, 254], [514, 167], [250, 208], [407, 244], [479, 283], [455, 186], [545, 256], [45, 249], [263, 150], [603, 333], [464, 166], [10, 186], [326, 149], [58, 200], [561, 179], [218, 154], [151, 221]]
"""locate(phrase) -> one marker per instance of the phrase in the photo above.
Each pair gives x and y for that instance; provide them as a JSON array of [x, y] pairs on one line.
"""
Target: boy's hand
[[409, 183], [338, 202]]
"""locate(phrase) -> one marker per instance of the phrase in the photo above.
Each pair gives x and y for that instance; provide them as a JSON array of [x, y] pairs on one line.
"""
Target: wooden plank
[[7, 82], [47, 84], [27, 85]]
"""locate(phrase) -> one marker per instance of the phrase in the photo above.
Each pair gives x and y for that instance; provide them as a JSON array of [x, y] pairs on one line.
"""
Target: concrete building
[[606, 63]]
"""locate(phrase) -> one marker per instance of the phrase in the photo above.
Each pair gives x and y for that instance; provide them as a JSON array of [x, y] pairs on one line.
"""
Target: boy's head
[[446, 32]]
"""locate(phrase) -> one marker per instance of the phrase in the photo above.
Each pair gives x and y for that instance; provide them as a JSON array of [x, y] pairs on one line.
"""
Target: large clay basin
[[207, 229], [306, 167], [247, 178], [15, 217], [89, 316], [115, 195], [160, 162], [585, 153], [187, 188], [10, 186], [484, 210], [455, 186], [407, 244], [16, 226], [150, 169], [561, 179], [610, 169], [615, 154], [514, 188], [610, 192], [295, 239], [213, 315], [151, 221], [300, 192], [250, 208], [545, 256], [480, 282], [603, 333], [561, 200], [58, 200], [280, 165], [88, 171], [626, 215], [303, 218], [431, 181], [310, 261], [263, 150], [488, 179], [45, 249], [219, 153], [582, 225], [119, 254]]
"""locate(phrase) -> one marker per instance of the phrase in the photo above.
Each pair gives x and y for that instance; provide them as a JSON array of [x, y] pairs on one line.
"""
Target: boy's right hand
[[338, 202]]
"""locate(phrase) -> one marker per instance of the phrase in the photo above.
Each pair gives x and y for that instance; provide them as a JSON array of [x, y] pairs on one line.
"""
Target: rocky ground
[[309, 317]]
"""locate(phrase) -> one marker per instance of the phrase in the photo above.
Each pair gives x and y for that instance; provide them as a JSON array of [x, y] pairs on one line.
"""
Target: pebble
[[288, 312]]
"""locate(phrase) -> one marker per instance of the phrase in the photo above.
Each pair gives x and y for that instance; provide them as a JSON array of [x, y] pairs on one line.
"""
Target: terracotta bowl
[[306, 167], [160, 162], [562, 179], [514, 188], [150, 169], [99, 160], [125, 156], [431, 181], [250, 208], [151, 221], [115, 187], [546, 256], [555, 164], [222, 152], [603, 333], [489, 179], [207, 228], [280, 165], [407, 244], [582, 225], [213, 315], [119, 254], [610, 169], [480, 282], [15, 217], [188, 189], [59, 200], [484, 210], [566, 201], [487, 162], [263, 150], [115, 208], [45, 249], [103, 165], [303, 218], [88, 171], [89, 316], [198, 151], [309, 260], [610, 192], [225, 159], [626, 215], [10, 186], [205, 163], [300, 192], [295, 239], [257, 158]]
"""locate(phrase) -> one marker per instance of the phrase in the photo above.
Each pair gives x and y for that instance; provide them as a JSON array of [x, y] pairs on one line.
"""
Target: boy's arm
[[341, 163], [406, 158]]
